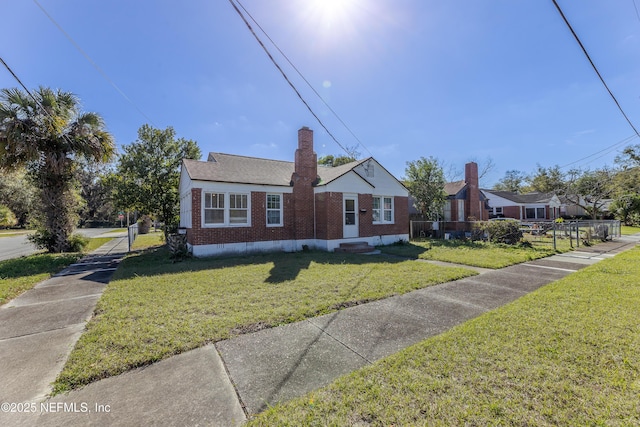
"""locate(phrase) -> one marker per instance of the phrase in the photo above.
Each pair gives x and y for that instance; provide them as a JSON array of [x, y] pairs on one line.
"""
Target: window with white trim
[[382, 209], [214, 208], [226, 209], [498, 211], [274, 210], [238, 209]]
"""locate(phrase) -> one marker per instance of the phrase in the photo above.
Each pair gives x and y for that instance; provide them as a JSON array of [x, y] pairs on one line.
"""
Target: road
[[17, 246]]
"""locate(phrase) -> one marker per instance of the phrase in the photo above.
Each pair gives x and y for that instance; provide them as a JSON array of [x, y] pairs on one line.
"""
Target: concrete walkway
[[224, 383], [39, 328]]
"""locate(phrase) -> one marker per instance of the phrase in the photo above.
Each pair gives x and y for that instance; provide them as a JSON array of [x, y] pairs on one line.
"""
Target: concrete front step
[[355, 248]]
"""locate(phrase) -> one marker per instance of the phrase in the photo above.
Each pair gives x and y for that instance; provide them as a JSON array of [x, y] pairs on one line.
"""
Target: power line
[[606, 151], [284, 75], [92, 62], [594, 66], [303, 78]]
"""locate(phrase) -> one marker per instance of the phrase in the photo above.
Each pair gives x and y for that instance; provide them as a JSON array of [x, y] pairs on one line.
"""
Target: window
[[214, 208], [535, 213], [388, 209], [238, 212], [382, 209], [460, 210], [226, 209], [274, 209], [447, 210], [497, 211]]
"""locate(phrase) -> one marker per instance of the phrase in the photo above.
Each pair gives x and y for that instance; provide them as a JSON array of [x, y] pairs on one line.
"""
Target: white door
[[350, 215]]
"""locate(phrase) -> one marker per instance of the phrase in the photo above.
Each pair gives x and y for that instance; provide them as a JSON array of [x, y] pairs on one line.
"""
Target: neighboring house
[[530, 206], [465, 202], [238, 204]]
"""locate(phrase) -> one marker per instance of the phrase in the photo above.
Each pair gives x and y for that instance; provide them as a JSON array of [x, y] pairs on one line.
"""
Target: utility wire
[[607, 149], [275, 63], [92, 62], [303, 78], [635, 6], [594, 66]]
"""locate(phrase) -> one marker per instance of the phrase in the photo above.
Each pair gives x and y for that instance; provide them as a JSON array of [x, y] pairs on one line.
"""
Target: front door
[[350, 216]]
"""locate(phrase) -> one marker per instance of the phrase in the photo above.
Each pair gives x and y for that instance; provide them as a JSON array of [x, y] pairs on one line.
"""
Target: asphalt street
[[17, 246]]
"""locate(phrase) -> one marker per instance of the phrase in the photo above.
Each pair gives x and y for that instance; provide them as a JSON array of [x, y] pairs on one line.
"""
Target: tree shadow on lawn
[[286, 265]]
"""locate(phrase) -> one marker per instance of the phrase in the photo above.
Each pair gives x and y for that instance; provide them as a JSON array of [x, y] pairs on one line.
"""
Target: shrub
[[507, 231]]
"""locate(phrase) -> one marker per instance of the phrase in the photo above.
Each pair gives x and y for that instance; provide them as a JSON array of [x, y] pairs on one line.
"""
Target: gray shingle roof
[[453, 188], [232, 168], [240, 169], [523, 198]]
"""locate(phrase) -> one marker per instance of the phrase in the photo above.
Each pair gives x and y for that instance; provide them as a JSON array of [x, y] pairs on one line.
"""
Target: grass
[[153, 308], [627, 230], [478, 254], [13, 232], [566, 354], [21, 274], [150, 240]]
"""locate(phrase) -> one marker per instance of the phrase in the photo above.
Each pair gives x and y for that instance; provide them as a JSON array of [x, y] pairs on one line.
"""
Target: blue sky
[[459, 80]]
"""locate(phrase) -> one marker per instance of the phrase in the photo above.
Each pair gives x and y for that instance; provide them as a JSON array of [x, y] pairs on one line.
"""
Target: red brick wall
[[401, 217], [511, 212], [256, 233], [328, 216]]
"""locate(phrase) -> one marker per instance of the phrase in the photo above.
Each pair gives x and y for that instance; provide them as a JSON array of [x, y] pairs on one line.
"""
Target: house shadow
[[286, 265]]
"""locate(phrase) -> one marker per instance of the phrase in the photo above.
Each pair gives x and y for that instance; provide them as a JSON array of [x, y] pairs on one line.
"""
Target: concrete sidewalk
[[39, 328], [224, 383]]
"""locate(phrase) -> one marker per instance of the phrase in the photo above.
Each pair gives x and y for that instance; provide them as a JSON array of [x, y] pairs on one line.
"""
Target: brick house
[[530, 206], [465, 202], [237, 204]]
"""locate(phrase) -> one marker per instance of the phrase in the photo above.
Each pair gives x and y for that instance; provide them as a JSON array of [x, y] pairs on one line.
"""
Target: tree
[[589, 189], [18, 193], [630, 156], [626, 208], [97, 206], [547, 180], [425, 182], [333, 161], [513, 181], [46, 132], [148, 174], [7, 218]]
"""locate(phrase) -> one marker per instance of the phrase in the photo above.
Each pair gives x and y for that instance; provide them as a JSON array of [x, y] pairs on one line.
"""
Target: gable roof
[[528, 198], [232, 168], [453, 188], [328, 173]]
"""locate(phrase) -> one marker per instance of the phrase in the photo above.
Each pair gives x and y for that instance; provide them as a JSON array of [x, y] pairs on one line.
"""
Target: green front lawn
[[566, 354], [21, 274], [478, 254], [627, 230], [153, 308]]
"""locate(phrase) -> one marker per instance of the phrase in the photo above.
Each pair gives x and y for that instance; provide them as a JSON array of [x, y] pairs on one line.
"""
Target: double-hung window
[[214, 208], [238, 209], [274, 210], [382, 209], [226, 209]]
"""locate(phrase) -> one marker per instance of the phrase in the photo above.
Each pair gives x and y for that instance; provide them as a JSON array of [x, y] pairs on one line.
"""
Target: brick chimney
[[303, 180], [473, 191]]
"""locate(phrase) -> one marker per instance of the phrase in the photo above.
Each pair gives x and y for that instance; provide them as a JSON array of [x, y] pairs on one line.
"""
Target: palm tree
[[45, 131]]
